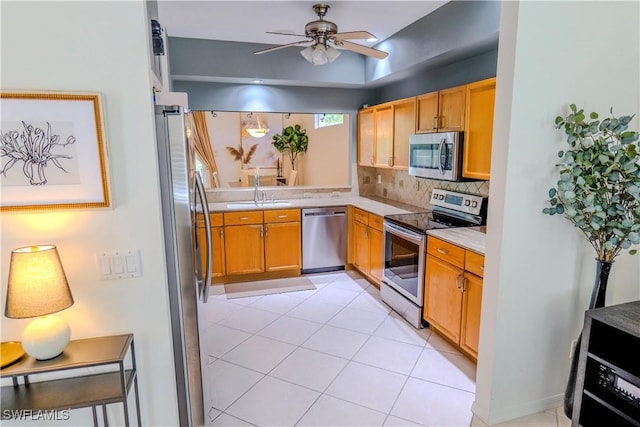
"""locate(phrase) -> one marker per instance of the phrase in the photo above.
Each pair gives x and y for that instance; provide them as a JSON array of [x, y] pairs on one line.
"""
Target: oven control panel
[[462, 202]]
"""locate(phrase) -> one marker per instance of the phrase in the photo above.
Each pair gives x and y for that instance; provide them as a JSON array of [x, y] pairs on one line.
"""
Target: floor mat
[[266, 287]]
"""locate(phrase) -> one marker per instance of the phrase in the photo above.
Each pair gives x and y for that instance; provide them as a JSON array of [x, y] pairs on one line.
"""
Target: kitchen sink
[[267, 204]]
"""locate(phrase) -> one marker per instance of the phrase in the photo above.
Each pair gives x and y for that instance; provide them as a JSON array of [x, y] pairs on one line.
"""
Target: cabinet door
[[217, 261], [244, 249], [443, 297], [384, 136], [282, 246], [217, 242], [471, 306], [366, 137], [478, 136], [376, 256], [361, 247], [427, 105], [404, 125], [451, 106]]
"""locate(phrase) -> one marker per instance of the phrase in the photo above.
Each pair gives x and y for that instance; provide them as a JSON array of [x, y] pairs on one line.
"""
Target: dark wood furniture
[[81, 388], [608, 381]]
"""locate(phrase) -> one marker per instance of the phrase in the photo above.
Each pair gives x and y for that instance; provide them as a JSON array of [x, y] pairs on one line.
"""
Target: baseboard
[[517, 411]]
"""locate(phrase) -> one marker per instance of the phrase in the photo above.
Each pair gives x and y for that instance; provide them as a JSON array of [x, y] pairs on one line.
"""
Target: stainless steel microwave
[[436, 155]]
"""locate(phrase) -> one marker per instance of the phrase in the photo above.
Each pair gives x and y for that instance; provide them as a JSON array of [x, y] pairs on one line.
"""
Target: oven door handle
[[399, 231]]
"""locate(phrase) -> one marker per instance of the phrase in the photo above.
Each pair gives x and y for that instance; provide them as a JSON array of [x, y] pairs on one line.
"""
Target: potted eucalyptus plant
[[293, 140], [598, 190]]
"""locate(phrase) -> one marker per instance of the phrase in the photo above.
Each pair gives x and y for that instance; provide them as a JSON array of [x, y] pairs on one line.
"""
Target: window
[[325, 120], [203, 172]]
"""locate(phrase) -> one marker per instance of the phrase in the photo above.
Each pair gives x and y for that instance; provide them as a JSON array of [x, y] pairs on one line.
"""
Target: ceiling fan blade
[[286, 34], [353, 35], [358, 48], [271, 49]]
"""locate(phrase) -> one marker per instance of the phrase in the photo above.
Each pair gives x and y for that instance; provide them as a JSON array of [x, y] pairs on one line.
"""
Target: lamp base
[[46, 337]]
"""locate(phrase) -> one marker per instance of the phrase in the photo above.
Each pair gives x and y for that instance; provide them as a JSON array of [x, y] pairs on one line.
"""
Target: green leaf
[[552, 192], [633, 251], [573, 107], [593, 115]]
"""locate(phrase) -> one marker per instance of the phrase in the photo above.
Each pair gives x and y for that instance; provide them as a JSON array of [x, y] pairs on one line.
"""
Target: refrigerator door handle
[[205, 284]]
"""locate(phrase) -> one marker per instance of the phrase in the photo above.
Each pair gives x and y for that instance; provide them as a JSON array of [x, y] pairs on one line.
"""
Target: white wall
[[99, 46], [540, 269], [326, 162]]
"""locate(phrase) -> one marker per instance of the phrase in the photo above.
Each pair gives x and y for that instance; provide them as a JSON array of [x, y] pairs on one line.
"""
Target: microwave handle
[[440, 168]]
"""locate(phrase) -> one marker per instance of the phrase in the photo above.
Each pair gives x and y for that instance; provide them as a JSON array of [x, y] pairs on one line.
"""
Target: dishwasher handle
[[325, 214]]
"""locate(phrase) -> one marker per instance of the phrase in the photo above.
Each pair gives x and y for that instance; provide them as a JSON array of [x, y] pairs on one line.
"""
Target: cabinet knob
[[435, 122], [442, 251]]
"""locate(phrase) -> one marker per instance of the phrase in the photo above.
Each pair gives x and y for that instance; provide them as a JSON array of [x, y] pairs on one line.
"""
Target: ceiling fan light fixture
[[307, 53], [332, 53], [319, 56]]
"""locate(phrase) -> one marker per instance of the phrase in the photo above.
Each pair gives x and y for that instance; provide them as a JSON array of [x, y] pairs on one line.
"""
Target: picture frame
[[52, 151]]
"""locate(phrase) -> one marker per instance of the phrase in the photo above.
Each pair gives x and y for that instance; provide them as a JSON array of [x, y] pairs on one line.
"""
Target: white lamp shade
[[45, 337]]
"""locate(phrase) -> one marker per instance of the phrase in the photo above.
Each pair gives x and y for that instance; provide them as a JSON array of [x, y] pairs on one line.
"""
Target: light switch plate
[[119, 265]]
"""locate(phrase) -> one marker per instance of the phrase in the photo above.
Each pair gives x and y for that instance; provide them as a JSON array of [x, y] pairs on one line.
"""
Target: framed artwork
[[52, 151]]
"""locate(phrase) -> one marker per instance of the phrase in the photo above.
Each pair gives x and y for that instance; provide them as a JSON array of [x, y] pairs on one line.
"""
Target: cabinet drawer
[[446, 251], [282, 215], [361, 216], [474, 263], [215, 218], [242, 218], [375, 221]]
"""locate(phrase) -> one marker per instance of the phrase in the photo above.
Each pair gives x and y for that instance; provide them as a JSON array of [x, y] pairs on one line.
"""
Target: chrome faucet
[[256, 184]]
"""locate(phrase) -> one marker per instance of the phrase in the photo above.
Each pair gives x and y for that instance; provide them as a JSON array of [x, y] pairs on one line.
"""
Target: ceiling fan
[[323, 36]]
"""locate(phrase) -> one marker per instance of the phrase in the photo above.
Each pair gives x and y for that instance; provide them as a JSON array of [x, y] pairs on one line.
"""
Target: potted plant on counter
[[598, 191], [293, 140]]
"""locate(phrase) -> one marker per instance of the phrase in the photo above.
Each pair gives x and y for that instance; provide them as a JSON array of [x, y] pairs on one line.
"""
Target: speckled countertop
[[472, 238], [376, 207]]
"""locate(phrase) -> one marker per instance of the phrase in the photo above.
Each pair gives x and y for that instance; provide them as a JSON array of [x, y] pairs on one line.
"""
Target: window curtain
[[202, 145]]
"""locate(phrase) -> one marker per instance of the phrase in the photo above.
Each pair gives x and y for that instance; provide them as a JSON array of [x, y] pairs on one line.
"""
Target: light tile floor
[[333, 356]]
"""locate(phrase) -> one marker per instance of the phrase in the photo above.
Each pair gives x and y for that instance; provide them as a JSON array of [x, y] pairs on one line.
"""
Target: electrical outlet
[[384, 192], [572, 348], [366, 179], [379, 179]]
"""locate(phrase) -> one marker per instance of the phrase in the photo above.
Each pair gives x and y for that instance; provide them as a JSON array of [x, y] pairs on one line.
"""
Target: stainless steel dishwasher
[[324, 239]]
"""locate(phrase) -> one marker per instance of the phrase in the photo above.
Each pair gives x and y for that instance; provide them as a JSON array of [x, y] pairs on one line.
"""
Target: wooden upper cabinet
[[451, 106], [427, 105], [384, 135], [404, 125], [441, 111], [478, 137], [366, 136]]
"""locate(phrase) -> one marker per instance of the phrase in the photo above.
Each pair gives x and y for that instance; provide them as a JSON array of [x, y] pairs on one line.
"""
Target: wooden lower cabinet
[[453, 293], [217, 243], [262, 242], [282, 246], [376, 255], [361, 246], [367, 244], [244, 249], [443, 297], [471, 306]]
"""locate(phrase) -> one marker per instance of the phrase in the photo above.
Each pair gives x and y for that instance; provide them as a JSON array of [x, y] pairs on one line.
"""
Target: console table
[[608, 381], [80, 389]]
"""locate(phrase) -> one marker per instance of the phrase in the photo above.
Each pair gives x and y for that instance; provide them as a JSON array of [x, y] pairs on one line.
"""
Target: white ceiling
[[248, 21]]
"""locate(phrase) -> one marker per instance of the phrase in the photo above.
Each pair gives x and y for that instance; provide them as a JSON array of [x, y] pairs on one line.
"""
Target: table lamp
[[38, 287]]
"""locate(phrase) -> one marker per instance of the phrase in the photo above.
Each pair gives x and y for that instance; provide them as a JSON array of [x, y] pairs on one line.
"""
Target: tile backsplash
[[399, 186]]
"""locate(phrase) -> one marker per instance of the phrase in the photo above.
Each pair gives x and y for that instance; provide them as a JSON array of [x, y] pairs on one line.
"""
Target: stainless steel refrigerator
[[182, 196]]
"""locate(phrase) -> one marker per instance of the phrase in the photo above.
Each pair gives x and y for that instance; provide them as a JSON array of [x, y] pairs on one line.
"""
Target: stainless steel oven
[[405, 244], [402, 281], [436, 155]]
